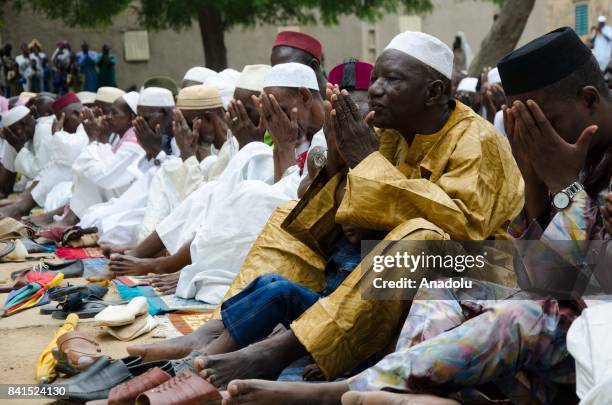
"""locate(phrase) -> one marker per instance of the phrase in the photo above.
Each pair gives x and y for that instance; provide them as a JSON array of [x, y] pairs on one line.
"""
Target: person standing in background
[[61, 61], [106, 68], [602, 43], [86, 61], [23, 63]]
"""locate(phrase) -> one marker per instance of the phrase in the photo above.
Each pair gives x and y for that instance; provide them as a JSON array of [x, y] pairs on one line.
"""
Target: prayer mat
[[187, 321], [93, 267], [160, 304], [78, 253]]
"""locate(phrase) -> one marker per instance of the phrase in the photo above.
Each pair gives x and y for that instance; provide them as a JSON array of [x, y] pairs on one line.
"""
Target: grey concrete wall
[[172, 53]]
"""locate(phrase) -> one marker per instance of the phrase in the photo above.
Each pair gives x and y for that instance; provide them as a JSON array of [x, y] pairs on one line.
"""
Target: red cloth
[[63, 101], [78, 253], [358, 78], [301, 41], [55, 234]]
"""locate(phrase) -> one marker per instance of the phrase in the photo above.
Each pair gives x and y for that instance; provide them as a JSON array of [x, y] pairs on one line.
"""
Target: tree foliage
[[177, 14]]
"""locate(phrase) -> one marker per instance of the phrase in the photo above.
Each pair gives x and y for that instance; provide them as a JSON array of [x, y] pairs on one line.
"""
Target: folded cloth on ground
[[159, 304], [141, 325], [78, 253], [11, 228], [119, 315]]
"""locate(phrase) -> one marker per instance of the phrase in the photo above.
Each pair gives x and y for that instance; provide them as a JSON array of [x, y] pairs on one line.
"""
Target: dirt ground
[[24, 335]]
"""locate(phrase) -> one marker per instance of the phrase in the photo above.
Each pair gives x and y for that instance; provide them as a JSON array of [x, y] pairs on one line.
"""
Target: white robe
[[64, 148], [237, 208], [119, 220], [101, 174], [588, 341], [31, 159], [177, 179]]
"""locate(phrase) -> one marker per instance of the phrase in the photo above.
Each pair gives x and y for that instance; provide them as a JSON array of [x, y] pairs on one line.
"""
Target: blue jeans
[[253, 313]]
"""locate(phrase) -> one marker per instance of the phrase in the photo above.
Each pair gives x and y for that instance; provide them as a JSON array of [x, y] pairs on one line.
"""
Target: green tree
[[215, 17]]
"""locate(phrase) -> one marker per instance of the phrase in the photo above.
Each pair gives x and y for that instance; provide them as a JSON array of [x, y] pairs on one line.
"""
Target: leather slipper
[[127, 392], [75, 352], [185, 388], [119, 315]]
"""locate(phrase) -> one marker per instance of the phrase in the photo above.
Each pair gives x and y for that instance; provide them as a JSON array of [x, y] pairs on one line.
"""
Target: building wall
[[562, 12], [172, 53]]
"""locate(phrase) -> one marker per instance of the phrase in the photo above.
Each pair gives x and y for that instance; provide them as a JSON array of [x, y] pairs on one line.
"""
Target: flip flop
[[88, 309]]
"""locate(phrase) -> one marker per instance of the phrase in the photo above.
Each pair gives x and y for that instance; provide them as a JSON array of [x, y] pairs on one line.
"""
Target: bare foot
[[166, 283], [13, 211], [248, 362], [312, 372], [261, 392], [108, 249], [40, 220], [124, 265], [104, 275], [179, 347], [391, 398]]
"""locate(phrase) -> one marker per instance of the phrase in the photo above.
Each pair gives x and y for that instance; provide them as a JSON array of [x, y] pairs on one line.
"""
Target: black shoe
[[97, 381]]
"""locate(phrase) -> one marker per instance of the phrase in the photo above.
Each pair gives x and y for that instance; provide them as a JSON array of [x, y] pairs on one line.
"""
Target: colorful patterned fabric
[[451, 343], [442, 351]]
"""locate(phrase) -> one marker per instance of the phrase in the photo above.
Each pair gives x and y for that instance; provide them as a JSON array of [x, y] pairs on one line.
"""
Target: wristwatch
[[562, 199]]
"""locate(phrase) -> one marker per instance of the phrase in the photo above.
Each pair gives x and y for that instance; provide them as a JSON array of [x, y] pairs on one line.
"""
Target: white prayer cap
[[156, 97], [602, 18], [14, 114], [86, 97], [426, 48], [224, 85], [252, 77], [291, 75], [230, 74], [131, 99], [109, 94], [468, 84], [493, 76], [199, 74]]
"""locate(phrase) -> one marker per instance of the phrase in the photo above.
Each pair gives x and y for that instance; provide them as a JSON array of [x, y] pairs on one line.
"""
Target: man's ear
[[305, 96], [314, 64], [589, 97], [435, 92]]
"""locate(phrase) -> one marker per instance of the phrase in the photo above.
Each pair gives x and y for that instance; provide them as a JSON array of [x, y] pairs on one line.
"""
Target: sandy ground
[[24, 335]]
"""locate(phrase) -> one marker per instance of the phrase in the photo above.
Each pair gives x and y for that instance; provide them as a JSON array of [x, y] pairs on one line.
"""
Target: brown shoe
[[126, 393], [186, 388], [75, 352]]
